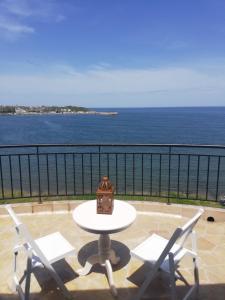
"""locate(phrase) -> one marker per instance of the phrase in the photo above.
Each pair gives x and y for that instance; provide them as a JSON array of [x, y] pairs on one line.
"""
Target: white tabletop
[[85, 215]]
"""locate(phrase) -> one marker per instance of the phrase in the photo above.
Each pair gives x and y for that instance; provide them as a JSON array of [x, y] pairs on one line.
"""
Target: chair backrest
[[189, 226], [179, 237], [23, 232], [12, 214]]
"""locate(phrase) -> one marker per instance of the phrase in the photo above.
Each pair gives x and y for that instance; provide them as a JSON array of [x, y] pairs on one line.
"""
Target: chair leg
[[196, 274], [59, 282], [181, 277], [195, 287], [15, 281], [145, 284], [172, 277], [28, 276]]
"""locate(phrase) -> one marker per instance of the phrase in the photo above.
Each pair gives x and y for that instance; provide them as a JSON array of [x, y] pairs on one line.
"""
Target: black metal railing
[[156, 170]]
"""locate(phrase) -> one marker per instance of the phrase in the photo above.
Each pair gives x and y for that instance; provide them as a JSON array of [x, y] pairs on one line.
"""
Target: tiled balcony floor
[[129, 272]]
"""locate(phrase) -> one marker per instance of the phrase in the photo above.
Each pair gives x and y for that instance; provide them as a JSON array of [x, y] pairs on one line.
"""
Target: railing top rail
[[114, 145]]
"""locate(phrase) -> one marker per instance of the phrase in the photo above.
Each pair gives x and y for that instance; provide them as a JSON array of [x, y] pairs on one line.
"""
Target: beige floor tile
[[129, 274]]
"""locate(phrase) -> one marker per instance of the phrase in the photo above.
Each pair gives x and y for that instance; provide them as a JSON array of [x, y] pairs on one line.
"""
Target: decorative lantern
[[105, 196]]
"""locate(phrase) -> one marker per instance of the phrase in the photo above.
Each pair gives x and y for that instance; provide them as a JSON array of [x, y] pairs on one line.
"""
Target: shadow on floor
[[207, 292], [62, 268], [160, 287], [158, 290], [92, 248]]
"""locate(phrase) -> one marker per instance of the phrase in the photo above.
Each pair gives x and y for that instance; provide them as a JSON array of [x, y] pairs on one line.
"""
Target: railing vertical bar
[[168, 201], [56, 174], [160, 174], [47, 171], [197, 185], [39, 177], [132, 159], [99, 163], [133, 172], [20, 176], [1, 176], [116, 173], [207, 180], [178, 178], [125, 173], [74, 174], [91, 172], [151, 177], [29, 172], [82, 164], [218, 178], [108, 164], [142, 174], [188, 176], [11, 179], [65, 174]]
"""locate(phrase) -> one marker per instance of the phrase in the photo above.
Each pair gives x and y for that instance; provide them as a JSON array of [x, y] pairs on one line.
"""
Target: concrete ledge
[[24, 208], [45, 207], [67, 206]]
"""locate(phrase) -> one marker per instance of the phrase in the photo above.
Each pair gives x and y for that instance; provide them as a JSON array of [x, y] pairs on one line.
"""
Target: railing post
[[1, 176], [99, 163], [39, 178], [218, 179], [168, 199]]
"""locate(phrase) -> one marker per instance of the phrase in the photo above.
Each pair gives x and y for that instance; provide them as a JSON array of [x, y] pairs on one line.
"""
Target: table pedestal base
[[105, 257]]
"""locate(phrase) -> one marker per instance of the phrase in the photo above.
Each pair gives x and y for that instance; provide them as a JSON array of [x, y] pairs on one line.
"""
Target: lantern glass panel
[[105, 196]]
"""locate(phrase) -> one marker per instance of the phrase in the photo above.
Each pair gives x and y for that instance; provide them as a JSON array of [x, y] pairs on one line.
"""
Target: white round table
[[85, 215]]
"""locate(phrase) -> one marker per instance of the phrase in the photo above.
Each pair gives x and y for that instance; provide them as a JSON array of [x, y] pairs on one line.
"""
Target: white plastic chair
[[165, 255], [43, 251]]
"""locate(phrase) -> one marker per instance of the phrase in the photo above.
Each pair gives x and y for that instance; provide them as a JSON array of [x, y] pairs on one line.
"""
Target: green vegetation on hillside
[[6, 109]]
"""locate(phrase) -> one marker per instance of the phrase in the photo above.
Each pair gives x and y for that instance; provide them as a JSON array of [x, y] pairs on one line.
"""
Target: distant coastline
[[51, 110]]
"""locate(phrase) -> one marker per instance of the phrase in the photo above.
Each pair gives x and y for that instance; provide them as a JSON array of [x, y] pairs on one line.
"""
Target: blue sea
[[148, 171], [199, 125]]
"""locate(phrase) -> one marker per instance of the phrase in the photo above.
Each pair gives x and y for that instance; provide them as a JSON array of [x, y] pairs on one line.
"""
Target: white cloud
[[100, 66], [14, 27], [63, 69], [99, 87], [15, 7], [16, 16], [60, 18]]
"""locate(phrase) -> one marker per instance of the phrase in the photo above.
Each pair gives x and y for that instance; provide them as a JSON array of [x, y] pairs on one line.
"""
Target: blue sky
[[112, 53]]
